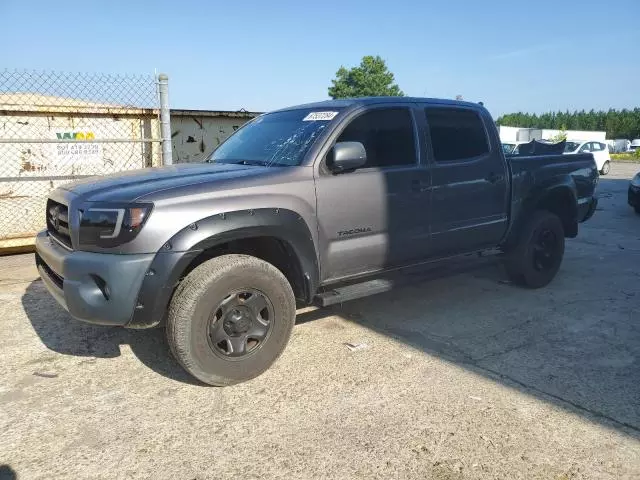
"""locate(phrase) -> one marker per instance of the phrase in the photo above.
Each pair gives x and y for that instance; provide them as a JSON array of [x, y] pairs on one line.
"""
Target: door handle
[[493, 177]]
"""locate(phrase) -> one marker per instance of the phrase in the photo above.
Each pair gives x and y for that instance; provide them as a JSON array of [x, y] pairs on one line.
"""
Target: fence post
[[165, 119]]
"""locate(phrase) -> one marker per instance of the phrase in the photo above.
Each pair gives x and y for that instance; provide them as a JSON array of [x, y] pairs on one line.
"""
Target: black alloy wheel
[[535, 258], [240, 324], [545, 250]]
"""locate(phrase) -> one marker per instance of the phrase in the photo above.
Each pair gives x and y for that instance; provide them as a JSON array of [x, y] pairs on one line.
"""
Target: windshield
[[275, 139], [571, 146]]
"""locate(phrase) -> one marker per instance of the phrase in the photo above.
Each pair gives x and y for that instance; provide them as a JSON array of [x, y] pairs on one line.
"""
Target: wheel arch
[[275, 235], [559, 198], [562, 201]]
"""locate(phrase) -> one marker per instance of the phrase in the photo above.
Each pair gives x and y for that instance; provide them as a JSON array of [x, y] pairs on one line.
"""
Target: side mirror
[[348, 156]]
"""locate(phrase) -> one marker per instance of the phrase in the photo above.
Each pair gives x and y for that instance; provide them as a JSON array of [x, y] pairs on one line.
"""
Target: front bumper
[[633, 196], [97, 288]]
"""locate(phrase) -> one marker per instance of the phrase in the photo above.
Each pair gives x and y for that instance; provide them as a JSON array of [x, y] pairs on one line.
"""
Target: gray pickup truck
[[311, 204]]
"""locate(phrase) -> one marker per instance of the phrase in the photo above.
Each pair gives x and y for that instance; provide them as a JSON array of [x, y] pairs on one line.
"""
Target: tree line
[[617, 123]]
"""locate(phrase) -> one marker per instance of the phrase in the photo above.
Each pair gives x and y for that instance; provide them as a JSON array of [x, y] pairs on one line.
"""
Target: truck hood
[[133, 184]]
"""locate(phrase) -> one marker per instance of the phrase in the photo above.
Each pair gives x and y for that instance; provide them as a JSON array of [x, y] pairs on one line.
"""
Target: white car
[[599, 150], [512, 148]]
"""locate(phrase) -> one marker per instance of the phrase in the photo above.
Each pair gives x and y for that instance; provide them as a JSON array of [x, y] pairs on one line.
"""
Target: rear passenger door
[[469, 196]]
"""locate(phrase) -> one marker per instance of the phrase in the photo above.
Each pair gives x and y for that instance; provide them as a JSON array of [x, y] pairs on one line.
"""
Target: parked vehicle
[[634, 193], [619, 145], [315, 204], [507, 148], [635, 145], [512, 148], [539, 147], [599, 150], [516, 148]]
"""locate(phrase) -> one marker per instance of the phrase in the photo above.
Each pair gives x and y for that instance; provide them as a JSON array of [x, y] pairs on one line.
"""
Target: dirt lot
[[463, 376]]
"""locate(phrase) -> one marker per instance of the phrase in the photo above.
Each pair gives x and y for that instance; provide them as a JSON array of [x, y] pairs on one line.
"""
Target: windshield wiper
[[254, 163]]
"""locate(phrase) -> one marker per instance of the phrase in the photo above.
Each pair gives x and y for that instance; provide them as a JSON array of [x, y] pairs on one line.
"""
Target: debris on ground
[[356, 346]]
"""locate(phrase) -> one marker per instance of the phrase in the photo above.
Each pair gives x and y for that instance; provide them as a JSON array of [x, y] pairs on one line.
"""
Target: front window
[[571, 146], [387, 136], [279, 139]]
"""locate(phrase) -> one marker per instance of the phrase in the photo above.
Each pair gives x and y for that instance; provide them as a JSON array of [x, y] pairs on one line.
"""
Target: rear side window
[[586, 148], [456, 134], [597, 147], [387, 136]]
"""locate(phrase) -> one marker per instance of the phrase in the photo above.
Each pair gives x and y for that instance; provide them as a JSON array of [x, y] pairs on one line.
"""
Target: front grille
[[58, 222]]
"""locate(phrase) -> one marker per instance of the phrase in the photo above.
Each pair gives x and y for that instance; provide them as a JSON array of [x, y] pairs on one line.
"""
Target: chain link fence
[[59, 127]]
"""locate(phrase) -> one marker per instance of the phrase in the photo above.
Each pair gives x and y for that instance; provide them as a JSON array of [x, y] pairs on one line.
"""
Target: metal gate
[[59, 127]]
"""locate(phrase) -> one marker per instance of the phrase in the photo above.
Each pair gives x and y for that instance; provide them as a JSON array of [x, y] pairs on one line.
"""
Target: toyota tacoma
[[311, 204]]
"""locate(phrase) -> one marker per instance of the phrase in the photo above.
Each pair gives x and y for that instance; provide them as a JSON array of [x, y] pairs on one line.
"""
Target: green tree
[[371, 78], [561, 136]]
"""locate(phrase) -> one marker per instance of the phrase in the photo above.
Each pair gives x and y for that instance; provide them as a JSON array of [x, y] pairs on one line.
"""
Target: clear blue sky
[[259, 55]]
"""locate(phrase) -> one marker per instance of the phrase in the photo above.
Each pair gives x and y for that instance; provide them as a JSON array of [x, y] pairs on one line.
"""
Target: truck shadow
[[575, 343], [578, 352], [63, 334], [7, 473]]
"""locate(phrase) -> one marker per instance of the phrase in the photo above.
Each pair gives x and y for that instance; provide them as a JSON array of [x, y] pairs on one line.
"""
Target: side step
[[351, 292], [403, 277]]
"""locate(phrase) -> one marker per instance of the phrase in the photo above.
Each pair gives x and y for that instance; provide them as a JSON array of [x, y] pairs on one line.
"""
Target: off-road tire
[[201, 291], [521, 261]]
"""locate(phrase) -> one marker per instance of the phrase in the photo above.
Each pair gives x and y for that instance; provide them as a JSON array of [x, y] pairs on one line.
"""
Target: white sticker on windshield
[[322, 116]]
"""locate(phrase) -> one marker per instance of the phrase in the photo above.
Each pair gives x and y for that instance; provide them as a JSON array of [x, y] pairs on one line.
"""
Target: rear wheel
[[605, 168], [230, 319], [535, 260]]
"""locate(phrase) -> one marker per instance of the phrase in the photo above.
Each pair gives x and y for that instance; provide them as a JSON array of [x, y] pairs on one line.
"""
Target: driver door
[[374, 217]]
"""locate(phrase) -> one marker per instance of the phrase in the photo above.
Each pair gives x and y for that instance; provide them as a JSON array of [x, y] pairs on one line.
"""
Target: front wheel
[[605, 168], [230, 319], [535, 260]]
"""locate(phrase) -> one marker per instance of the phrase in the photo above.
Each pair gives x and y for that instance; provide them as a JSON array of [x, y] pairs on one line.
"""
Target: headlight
[[110, 225]]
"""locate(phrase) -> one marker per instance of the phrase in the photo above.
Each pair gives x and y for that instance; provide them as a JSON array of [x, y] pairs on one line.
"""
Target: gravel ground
[[463, 376]]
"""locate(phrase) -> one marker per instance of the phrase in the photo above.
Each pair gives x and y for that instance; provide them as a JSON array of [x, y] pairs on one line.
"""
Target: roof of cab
[[361, 101]]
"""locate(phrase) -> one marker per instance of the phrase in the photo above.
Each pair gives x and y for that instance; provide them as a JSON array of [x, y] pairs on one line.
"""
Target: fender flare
[[565, 186], [180, 250]]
